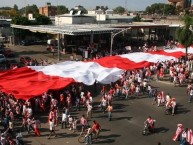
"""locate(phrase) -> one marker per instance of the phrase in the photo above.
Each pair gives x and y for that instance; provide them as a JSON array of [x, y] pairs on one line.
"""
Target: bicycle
[[81, 138]]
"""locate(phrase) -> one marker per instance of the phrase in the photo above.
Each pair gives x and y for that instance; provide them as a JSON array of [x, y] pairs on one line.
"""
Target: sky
[[88, 4]]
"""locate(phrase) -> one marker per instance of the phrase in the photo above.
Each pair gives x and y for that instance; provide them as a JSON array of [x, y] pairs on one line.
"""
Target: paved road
[[127, 123], [128, 117]]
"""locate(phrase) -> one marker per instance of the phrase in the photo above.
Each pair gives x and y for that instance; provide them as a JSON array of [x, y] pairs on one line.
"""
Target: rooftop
[[85, 29]]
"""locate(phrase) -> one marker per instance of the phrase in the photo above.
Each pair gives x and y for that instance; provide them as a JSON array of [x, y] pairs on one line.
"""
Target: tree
[[137, 18], [5, 8], [41, 20], [119, 10], [161, 8], [62, 10], [19, 20], [15, 7], [97, 7], [185, 35], [106, 8], [33, 9]]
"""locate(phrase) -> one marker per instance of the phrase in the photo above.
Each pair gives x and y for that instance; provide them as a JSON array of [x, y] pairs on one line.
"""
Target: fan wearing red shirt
[[96, 128]]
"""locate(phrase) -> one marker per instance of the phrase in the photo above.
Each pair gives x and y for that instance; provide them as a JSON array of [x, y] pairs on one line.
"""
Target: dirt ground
[[39, 52]]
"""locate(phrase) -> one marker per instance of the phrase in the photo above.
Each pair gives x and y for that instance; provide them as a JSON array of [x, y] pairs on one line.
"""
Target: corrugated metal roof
[[83, 29]]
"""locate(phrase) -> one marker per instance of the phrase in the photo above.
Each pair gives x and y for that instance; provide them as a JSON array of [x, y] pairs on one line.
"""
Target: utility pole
[[126, 6], [113, 36], [164, 9], [25, 8]]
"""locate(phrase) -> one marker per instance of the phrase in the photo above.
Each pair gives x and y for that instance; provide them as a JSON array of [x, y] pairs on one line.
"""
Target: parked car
[[2, 58], [39, 42], [12, 63], [8, 53], [2, 49], [26, 60], [25, 43]]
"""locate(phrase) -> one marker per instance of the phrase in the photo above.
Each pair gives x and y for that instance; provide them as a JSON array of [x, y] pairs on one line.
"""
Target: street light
[[113, 36]]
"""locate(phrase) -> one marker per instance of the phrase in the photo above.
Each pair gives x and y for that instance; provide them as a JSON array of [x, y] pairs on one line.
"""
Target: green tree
[[5, 8], [84, 11], [106, 8], [15, 7], [33, 9], [41, 20], [19, 20], [62, 9], [185, 35], [137, 18], [119, 10], [161, 8], [97, 7]]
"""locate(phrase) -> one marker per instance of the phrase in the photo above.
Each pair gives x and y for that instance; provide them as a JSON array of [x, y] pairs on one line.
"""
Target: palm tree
[[185, 35]]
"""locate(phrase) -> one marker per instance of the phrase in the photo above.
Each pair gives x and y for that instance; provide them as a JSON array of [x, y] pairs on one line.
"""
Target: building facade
[[48, 10]]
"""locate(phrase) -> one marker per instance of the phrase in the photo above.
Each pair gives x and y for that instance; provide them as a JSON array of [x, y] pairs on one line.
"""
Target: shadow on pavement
[[122, 118], [161, 130], [181, 110], [107, 139]]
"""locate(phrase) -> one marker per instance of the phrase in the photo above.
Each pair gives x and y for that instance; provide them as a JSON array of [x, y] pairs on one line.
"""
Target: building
[[48, 10], [73, 19], [183, 3]]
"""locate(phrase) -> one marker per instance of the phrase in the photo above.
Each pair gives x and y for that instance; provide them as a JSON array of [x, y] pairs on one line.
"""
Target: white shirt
[[104, 102], [64, 117], [89, 107], [191, 92], [184, 134], [167, 98]]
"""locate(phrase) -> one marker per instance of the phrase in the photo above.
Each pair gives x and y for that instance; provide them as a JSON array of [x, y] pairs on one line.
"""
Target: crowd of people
[[60, 105]]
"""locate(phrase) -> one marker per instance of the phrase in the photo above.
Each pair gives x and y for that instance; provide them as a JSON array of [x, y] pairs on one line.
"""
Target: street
[[128, 115], [127, 123]]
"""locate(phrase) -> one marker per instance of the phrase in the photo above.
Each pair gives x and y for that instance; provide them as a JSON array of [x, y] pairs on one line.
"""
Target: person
[[70, 121], [52, 128], [158, 99], [178, 132], [74, 125], [36, 125], [150, 121], [109, 110], [103, 104], [96, 128], [19, 139], [183, 140], [173, 105], [29, 125], [88, 136], [10, 128], [84, 123], [89, 110], [64, 119], [155, 93], [190, 95]]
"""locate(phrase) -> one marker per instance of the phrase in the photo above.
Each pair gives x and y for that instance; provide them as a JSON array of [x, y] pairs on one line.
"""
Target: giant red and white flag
[[190, 137], [31, 81]]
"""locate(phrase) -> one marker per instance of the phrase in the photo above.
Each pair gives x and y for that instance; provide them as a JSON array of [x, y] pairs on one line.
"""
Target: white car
[[2, 58]]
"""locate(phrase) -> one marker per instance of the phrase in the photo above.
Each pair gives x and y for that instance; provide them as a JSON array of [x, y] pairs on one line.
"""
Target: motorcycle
[[19, 139], [148, 129]]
